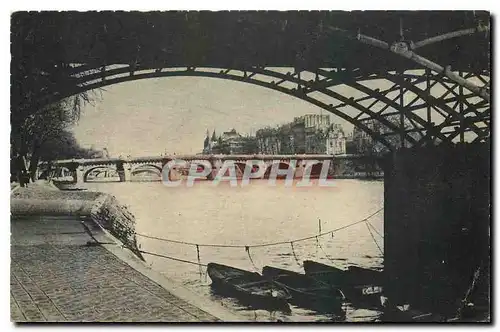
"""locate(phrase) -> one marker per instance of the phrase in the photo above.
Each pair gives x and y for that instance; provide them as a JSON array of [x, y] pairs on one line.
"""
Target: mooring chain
[[324, 252], [374, 229], [170, 257], [247, 249], [295, 255], [317, 245], [373, 237], [199, 260], [330, 232]]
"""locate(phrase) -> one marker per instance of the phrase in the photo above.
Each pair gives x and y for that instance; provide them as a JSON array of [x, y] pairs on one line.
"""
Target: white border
[[252, 5]]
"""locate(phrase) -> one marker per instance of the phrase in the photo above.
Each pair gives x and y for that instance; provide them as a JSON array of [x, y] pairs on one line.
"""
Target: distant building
[[230, 142], [316, 121], [336, 141], [311, 133], [361, 142], [321, 136], [308, 134], [299, 136], [230, 135], [210, 143], [268, 141]]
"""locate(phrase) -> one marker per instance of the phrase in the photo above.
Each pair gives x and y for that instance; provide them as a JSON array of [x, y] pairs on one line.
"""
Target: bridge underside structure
[[404, 82]]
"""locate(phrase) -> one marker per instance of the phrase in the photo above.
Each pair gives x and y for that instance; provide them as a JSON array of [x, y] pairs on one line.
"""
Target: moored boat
[[306, 292], [328, 274], [361, 287], [353, 276], [249, 287], [363, 276], [367, 297], [394, 314]]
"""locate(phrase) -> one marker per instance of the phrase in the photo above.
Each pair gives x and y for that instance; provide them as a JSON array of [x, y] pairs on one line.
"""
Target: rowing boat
[[328, 274], [306, 292], [362, 276], [353, 276], [362, 287], [248, 287]]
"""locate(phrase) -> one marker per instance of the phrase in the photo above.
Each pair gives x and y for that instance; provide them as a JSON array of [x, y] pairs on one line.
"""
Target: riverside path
[[60, 272]]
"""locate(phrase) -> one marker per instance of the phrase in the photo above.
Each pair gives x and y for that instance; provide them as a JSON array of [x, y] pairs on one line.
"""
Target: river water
[[255, 214]]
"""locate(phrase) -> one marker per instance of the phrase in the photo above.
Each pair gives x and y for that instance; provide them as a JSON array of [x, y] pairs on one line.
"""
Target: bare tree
[[30, 131]]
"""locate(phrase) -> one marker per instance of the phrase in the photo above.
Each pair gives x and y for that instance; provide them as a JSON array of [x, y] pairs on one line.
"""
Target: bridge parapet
[[162, 158], [126, 167]]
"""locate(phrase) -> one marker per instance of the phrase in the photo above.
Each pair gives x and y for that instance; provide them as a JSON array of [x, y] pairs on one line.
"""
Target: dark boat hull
[[360, 298], [249, 288], [353, 276], [359, 285], [325, 273], [306, 292], [362, 276]]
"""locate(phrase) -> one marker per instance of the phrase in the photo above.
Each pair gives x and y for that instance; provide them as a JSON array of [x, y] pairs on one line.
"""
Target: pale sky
[[153, 116]]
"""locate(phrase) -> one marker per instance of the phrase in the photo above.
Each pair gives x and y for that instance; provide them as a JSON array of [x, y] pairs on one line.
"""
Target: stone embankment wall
[[103, 209], [115, 218]]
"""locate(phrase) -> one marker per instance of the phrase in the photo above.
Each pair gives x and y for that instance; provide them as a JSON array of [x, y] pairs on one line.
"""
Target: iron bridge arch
[[368, 107], [431, 101]]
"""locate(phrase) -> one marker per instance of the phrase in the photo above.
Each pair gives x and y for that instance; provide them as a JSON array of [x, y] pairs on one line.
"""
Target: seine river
[[255, 214]]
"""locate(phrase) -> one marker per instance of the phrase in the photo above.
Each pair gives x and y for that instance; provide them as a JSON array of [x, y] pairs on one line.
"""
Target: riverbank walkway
[[62, 271]]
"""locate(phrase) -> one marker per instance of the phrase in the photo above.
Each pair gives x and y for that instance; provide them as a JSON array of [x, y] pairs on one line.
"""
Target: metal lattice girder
[[46, 44], [461, 99], [419, 123], [391, 102], [232, 74], [303, 87], [406, 50], [437, 103], [86, 78], [473, 106]]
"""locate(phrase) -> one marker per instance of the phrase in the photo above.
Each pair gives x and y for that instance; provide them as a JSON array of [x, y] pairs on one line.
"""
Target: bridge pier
[[127, 172], [216, 166], [436, 225], [124, 171], [80, 175]]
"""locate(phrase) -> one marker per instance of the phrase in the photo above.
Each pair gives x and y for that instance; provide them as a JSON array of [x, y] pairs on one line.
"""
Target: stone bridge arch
[[146, 168], [110, 169], [315, 166], [240, 168], [282, 165]]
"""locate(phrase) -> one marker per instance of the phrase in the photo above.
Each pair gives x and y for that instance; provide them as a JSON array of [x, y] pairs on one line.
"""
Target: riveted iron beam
[[348, 77], [334, 95], [291, 92], [428, 98], [480, 91], [403, 49], [392, 103], [450, 35], [461, 99]]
